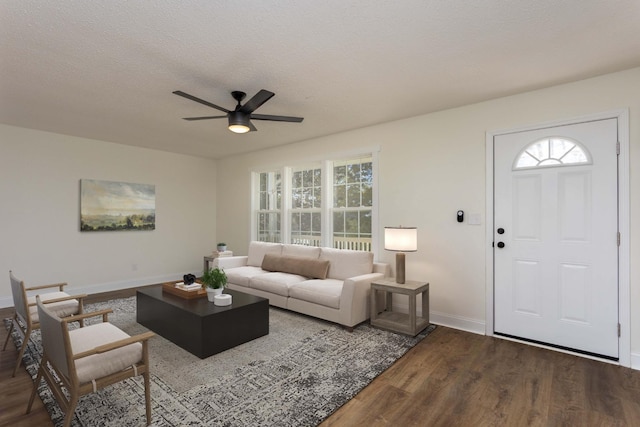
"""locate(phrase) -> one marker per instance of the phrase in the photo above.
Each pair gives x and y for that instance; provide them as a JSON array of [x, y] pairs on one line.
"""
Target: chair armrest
[[53, 285], [230, 261], [76, 317], [68, 298], [115, 344]]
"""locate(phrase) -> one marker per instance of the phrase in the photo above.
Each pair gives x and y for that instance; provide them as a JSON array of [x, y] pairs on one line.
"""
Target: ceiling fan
[[240, 118]]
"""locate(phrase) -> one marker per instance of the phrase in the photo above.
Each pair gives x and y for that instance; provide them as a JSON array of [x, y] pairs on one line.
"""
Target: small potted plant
[[222, 247], [214, 281]]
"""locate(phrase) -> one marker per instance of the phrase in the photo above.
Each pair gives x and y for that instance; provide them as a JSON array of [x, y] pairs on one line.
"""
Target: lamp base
[[400, 267]]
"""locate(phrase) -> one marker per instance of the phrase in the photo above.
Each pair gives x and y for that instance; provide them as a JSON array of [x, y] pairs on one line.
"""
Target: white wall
[[433, 165], [40, 175]]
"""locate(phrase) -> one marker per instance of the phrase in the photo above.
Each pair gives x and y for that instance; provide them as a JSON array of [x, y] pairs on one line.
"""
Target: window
[[330, 203], [270, 205], [306, 206], [552, 152], [352, 204]]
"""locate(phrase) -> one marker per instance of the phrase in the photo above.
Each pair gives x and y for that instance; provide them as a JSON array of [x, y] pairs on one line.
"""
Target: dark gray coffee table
[[199, 326]]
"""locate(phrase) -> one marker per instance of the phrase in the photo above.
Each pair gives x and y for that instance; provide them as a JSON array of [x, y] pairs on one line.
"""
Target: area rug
[[298, 375]]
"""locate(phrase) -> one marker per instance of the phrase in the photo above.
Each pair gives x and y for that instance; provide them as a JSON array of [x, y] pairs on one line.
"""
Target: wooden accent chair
[[87, 359], [25, 319]]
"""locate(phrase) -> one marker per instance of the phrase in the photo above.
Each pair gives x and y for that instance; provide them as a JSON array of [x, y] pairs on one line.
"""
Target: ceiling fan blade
[[201, 101], [276, 118], [258, 99], [204, 118], [252, 128]]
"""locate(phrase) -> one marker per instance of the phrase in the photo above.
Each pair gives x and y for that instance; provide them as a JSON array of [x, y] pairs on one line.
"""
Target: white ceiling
[[106, 69]]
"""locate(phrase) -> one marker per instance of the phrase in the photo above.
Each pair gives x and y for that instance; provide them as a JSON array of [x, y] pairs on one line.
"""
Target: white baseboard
[[106, 287], [635, 361], [457, 322]]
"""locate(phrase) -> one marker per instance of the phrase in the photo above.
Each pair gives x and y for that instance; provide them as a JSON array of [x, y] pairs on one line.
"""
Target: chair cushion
[[60, 309], [242, 275], [103, 364], [258, 249], [276, 283], [346, 263], [324, 292]]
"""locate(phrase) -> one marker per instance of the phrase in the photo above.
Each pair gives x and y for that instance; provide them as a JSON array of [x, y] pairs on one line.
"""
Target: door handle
[[501, 245], [500, 230]]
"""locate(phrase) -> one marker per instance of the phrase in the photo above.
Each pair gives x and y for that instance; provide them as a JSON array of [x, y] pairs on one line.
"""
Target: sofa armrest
[[382, 267], [354, 302], [230, 261]]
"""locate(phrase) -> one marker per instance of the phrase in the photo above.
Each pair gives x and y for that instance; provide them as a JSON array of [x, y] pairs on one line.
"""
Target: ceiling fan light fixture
[[239, 128], [238, 122]]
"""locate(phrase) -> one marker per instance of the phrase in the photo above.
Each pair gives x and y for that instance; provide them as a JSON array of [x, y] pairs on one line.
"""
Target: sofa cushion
[[345, 263], [324, 292], [301, 250], [276, 282], [258, 249], [242, 275], [302, 266]]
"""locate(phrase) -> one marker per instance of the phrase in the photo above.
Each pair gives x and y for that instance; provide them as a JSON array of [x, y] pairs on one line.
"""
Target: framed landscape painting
[[110, 206]]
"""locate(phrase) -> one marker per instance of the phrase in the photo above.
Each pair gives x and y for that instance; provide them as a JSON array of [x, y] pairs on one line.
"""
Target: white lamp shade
[[403, 239]]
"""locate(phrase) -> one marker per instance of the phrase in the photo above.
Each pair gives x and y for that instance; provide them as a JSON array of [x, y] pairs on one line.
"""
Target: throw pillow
[[302, 266]]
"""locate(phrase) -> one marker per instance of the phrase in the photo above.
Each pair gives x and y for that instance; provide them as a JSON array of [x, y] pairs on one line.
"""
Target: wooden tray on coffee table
[[170, 288]]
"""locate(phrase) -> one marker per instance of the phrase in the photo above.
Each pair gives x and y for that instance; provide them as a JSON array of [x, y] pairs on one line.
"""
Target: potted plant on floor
[[214, 281]]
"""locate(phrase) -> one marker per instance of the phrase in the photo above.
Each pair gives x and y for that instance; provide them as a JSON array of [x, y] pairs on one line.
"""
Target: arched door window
[[550, 152]]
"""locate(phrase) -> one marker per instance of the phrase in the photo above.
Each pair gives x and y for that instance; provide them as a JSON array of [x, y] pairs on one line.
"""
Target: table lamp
[[400, 239]]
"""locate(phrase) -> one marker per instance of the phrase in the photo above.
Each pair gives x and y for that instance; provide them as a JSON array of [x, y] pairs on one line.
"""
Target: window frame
[[326, 208], [559, 161]]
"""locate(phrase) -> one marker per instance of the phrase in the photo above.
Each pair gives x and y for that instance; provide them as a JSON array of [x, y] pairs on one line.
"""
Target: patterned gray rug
[[298, 375]]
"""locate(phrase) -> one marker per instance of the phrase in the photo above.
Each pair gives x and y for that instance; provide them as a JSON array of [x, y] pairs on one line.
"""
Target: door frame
[[624, 299]]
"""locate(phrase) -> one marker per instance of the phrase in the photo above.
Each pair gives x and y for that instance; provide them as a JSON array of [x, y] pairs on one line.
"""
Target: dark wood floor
[[452, 378]]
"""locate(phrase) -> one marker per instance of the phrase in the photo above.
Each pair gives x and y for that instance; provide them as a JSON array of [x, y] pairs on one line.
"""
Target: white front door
[[556, 236]]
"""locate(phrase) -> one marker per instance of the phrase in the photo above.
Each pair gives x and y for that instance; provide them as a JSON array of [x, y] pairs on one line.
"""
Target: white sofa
[[331, 284]]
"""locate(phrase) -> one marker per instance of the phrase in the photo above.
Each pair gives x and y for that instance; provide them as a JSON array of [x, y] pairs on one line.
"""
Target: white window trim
[[561, 164], [327, 195]]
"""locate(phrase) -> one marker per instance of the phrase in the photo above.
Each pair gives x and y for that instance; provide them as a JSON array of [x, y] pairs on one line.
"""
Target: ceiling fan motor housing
[[238, 118]]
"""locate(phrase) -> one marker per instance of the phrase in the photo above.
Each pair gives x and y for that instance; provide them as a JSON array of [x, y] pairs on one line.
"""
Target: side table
[[406, 323], [213, 256]]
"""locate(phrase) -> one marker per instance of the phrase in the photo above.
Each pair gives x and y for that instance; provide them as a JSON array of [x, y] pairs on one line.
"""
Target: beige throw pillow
[[302, 266]]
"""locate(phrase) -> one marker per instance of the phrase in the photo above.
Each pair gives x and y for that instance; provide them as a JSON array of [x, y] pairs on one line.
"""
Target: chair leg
[[71, 410], [147, 395], [36, 384], [9, 334], [25, 342]]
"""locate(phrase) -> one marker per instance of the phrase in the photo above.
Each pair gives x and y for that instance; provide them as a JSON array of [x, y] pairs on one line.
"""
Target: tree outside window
[[352, 203], [306, 206], [269, 212]]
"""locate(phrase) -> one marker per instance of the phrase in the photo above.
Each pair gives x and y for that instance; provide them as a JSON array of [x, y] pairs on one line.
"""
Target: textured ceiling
[[106, 69]]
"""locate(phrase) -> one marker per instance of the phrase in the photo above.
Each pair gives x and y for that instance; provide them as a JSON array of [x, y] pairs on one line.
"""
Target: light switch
[[475, 219]]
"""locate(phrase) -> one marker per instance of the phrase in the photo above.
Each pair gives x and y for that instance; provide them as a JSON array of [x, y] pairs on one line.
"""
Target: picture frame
[[116, 206]]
